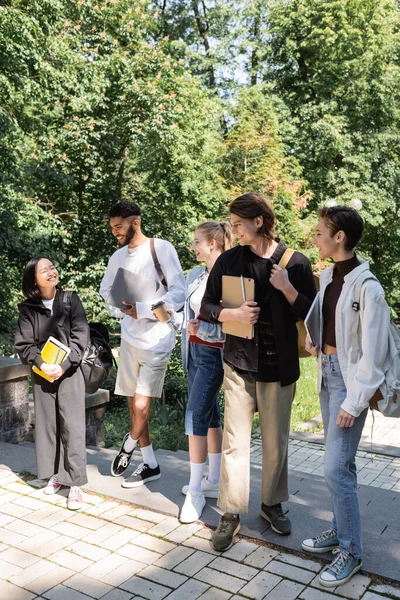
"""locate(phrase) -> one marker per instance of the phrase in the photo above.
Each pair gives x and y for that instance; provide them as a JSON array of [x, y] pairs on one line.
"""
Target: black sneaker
[[280, 523], [222, 538], [143, 474], [121, 461]]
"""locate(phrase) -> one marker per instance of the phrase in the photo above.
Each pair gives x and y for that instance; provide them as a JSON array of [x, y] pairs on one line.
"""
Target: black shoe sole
[[266, 518], [230, 545]]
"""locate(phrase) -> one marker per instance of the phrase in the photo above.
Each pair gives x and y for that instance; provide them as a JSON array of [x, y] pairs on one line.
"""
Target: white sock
[[196, 475], [214, 462], [130, 444], [149, 457]]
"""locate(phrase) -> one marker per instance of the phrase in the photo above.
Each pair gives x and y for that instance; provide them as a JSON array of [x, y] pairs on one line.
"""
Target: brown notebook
[[235, 291]]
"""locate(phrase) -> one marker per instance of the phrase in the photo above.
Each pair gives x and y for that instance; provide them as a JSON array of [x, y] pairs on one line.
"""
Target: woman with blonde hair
[[202, 344]]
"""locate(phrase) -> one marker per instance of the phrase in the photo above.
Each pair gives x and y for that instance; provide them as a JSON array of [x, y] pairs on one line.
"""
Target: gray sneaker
[[280, 523], [326, 542], [222, 538]]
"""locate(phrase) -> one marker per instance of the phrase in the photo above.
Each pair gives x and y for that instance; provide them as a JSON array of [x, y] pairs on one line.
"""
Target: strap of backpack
[[356, 307], [156, 263], [66, 306], [285, 258]]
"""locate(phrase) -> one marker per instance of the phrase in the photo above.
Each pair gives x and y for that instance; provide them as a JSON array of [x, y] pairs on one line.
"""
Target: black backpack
[[97, 359]]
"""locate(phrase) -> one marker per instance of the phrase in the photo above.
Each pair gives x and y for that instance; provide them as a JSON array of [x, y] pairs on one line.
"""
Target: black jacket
[[242, 353], [36, 324]]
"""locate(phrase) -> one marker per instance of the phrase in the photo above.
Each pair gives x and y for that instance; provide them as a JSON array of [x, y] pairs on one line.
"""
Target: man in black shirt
[[259, 372]]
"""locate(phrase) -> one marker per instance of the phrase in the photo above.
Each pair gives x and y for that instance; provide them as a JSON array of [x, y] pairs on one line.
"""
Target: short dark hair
[[125, 210], [252, 205], [29, 287], [346, 219]]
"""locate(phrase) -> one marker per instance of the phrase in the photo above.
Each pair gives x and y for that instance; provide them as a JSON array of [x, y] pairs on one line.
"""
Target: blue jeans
[[340, 449], [205, 376]]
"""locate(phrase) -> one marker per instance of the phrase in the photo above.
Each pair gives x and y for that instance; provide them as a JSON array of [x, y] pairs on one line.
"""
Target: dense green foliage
[[181, 106]]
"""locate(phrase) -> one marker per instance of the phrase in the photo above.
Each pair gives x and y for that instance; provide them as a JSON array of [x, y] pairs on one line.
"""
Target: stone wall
[[14, 400]]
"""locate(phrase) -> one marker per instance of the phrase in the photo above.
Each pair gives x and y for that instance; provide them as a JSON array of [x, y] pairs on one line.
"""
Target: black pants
[[60, 428]]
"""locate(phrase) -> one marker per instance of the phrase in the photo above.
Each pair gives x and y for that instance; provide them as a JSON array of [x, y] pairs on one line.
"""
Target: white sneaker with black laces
[[143, 474], [193, 507]]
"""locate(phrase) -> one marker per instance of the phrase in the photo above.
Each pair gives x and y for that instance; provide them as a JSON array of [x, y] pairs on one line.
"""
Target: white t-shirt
[[197, 296], [145, 331], [48, 304]]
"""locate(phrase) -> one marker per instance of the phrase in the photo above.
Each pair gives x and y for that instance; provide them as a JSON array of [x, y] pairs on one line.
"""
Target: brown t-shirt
[[331, 297]]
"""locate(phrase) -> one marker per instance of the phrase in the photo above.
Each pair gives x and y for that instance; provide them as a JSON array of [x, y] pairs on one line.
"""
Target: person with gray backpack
[[356, 350]]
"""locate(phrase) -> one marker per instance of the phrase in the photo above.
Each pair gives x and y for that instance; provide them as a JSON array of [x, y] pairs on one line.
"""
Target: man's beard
[[130, 234]]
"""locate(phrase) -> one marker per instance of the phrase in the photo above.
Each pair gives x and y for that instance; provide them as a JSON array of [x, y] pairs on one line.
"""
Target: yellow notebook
[[53, 353]]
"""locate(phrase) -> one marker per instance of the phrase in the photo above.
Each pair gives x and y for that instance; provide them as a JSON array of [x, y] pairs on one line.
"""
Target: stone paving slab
[[308, 509]]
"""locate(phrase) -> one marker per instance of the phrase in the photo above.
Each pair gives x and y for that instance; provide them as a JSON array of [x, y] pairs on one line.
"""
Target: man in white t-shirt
[[146, 344]]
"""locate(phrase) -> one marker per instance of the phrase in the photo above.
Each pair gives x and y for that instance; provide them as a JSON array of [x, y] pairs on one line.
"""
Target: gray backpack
[[389, 404]]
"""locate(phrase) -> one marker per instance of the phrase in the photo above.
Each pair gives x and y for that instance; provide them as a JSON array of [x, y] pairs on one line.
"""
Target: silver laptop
[[131, 287]]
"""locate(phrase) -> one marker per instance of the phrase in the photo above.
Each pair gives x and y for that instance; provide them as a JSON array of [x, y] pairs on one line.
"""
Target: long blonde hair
[[220, 232]]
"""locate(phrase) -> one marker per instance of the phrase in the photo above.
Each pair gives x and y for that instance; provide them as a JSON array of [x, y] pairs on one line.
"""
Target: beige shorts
[[140, 371]]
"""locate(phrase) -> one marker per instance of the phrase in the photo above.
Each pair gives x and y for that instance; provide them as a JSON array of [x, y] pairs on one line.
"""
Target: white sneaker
[[52, 486], [210, 490], [193, 507], [74, 501]]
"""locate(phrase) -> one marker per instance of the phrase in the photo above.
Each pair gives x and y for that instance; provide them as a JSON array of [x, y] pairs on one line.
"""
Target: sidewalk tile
[[152, 543], [260, 586], [164, 527], [11, 538], [30, 544], [49, 580], [89, 551], [60, 592], [104, 566], [118, 511], [183, 532], [97, 510], [123, 572], [162, 576], [194, 563], [85, 521], [174, 558], [31, 573], [12, 592], [28, 502], [216, 594], [289, 572], [19, 558], [104, 533], [92, 499], [39, 515], [27, 529], [233, 568], [14, 510], [221, 580], [3, 547], [120, 539], [313, 594], [199, 543], [5, 519], [303, 563], [87, 585], [204, 533], [190, 589], [59, 543], [240, 550], [148, 589], [70, 561], [385, 589], [285, 590], [261, 557], [74, 531], [133, 523], [118, 595], [7, 570], [316, 584], [19, 488], [143, 555], [372, 596], [148, 515], [354, 588]]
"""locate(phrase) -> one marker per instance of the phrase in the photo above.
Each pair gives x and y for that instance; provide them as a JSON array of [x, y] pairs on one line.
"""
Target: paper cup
[[160, 311]]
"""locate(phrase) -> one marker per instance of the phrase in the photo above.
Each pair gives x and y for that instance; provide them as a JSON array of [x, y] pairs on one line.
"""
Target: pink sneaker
[[53, 486], [74, 501]]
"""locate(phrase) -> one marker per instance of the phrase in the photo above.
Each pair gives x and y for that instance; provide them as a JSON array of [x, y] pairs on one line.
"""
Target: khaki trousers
[[274, 404]]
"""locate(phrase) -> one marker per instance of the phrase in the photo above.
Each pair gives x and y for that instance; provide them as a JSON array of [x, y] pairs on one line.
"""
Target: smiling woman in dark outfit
[[60, 403]]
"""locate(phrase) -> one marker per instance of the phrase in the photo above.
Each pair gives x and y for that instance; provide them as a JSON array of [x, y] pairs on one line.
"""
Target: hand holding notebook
[[53, 353], [235, 292]]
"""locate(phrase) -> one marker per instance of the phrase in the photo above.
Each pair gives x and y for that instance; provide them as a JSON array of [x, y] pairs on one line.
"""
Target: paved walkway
[[115, 551]]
